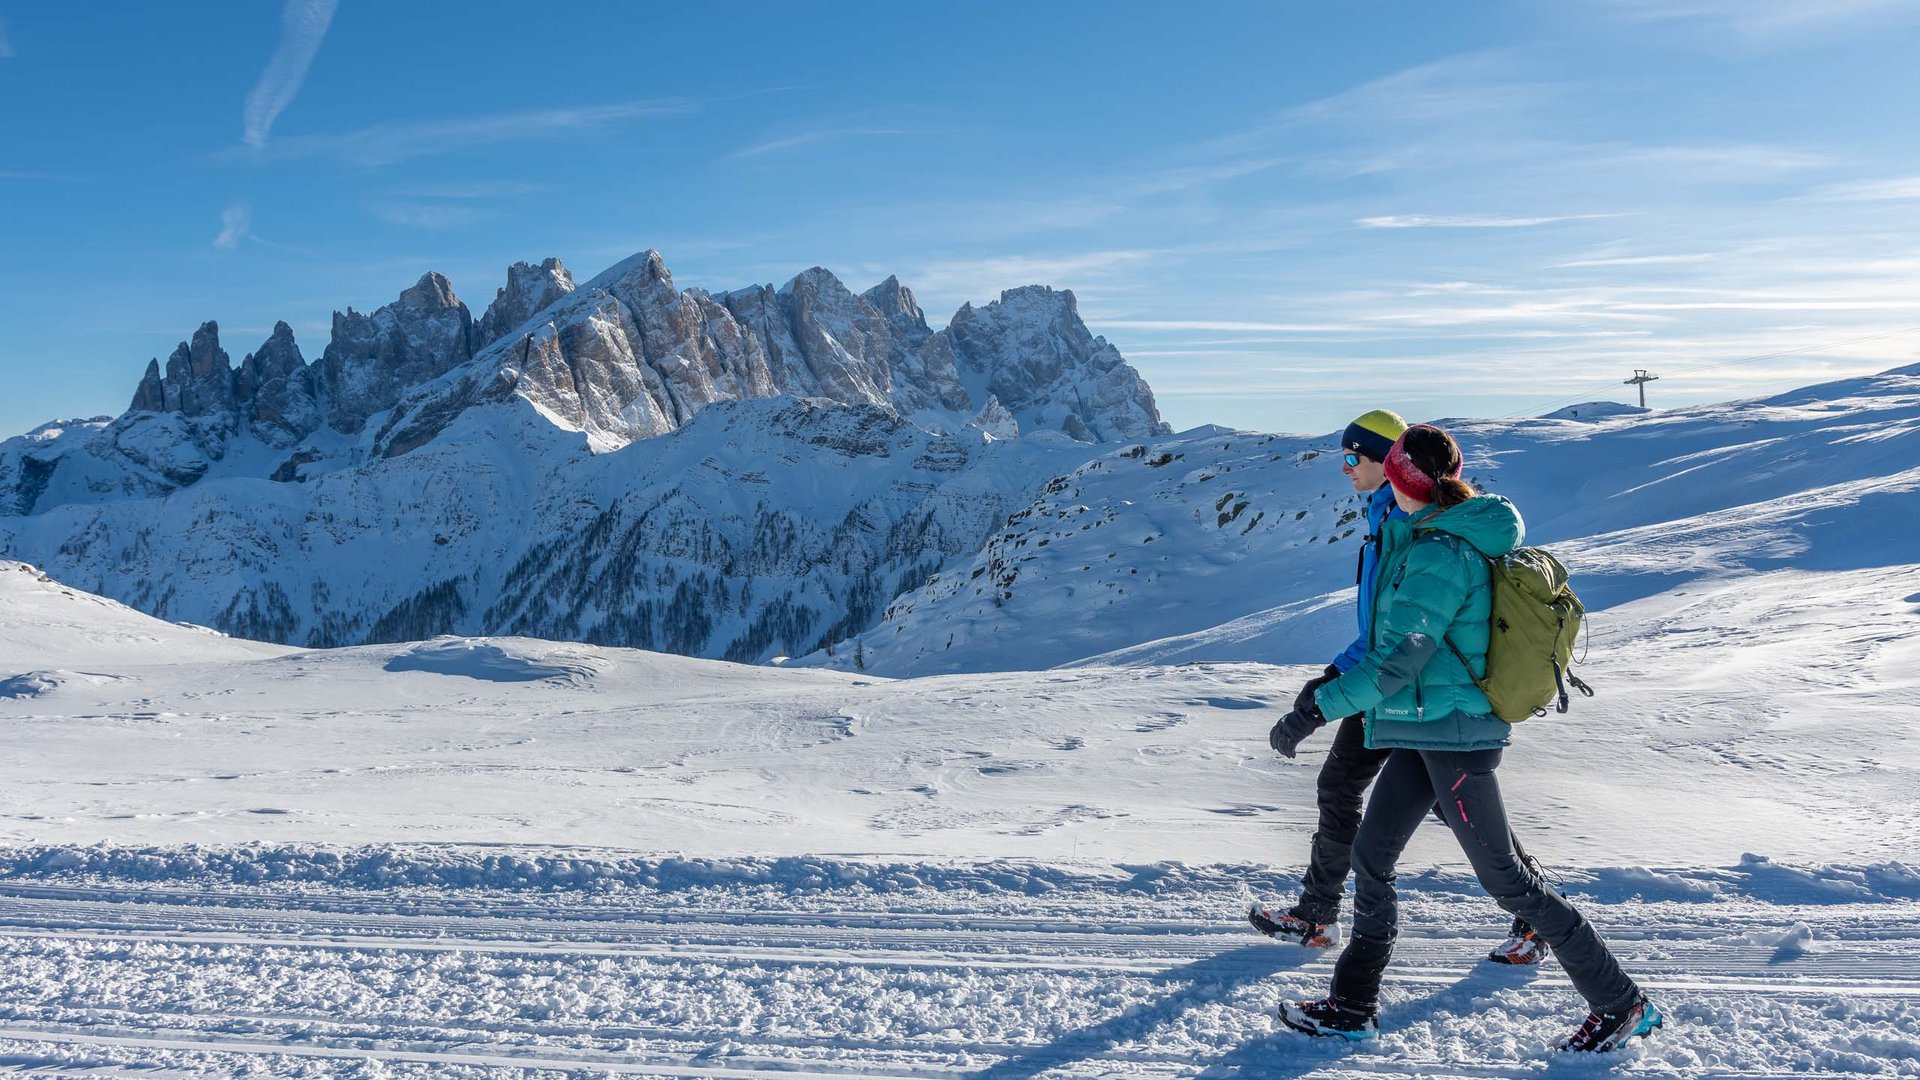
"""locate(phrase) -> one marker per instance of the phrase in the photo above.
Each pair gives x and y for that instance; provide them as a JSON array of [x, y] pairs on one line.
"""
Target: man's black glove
[[1304, 699], [1296, 725]]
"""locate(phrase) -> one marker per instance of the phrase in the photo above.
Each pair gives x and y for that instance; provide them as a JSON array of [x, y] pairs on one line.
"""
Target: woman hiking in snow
[[1434, 589]]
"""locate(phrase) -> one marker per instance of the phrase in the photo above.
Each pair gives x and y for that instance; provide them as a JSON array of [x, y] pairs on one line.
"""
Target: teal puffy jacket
[[1430, 590]]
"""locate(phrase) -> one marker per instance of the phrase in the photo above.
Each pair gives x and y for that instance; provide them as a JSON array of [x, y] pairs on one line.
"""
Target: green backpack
[[1536, 618]]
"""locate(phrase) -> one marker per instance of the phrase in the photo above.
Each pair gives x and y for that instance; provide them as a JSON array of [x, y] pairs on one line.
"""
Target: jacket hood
[[1489, 522]]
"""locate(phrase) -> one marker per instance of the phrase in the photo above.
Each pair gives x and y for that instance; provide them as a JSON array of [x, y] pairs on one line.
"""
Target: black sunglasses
[[1352, 460]]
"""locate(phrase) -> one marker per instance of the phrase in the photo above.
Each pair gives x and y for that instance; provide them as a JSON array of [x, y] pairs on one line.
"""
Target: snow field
[[156, 917], [1099, 974], [1749, 713]]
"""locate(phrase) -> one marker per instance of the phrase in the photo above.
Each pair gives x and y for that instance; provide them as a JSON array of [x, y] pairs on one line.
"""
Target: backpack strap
[[1373, 539]]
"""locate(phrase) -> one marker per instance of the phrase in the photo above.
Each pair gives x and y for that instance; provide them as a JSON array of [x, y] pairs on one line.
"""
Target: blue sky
[[1283, 213]]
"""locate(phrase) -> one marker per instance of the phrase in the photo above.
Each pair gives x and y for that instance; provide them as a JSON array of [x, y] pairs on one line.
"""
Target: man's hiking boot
[[1330, 1018], [1522, 946], [1289, 926], [1606, 1031]]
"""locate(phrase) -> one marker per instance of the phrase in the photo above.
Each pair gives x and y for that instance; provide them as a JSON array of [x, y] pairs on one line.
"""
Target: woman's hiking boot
[[1289, 926], [1331, 1018], [1522, 946], [1605, 1031]]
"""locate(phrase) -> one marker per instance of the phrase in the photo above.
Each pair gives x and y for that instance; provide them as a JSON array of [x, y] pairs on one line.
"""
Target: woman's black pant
[[1341, 792], [1468, 796]]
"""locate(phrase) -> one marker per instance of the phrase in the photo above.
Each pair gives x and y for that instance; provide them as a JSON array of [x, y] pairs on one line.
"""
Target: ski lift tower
[[1641, 379]]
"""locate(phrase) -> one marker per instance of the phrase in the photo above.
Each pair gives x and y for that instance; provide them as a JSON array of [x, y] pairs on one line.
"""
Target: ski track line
[[1732, 968], [412, 1030], [1901, 922], [747, 1066], [542, 1060], [63, 906], [1876, 971]]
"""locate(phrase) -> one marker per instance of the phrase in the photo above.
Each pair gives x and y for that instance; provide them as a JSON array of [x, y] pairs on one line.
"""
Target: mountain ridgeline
[[740, 475]]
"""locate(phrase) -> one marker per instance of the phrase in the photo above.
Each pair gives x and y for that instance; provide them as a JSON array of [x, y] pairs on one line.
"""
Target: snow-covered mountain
[[738, 475], [1222, 545], [768, 472]]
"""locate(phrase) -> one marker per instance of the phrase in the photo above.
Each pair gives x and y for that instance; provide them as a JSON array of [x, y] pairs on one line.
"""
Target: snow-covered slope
[[49, 625], [1219, 545], [1782, 698]]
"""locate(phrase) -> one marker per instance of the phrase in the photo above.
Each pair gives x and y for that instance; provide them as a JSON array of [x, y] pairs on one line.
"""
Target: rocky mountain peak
[[1031, 350], [628, 356], [275, 390], [816, 280], [374, 359], [645, 266], [204, 354], [431, 293], [895, 303], [198, 378], [530, 289], [151, 394]]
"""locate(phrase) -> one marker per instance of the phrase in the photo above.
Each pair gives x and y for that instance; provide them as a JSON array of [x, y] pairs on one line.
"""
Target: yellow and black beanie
[[1373, 434]]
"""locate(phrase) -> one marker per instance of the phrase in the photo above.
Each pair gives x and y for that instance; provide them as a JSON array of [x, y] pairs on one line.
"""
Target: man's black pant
[[1349, 768], [1468, 797], [1342, 788]]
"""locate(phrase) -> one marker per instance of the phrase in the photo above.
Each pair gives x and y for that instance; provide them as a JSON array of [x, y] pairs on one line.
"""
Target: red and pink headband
[[1403, 474]]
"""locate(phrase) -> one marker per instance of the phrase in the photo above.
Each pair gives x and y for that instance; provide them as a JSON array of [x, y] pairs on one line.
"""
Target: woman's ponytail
[[1452, 491]]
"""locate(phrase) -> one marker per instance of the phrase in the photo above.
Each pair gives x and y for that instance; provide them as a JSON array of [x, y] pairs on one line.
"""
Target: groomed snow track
[[1081, 978]]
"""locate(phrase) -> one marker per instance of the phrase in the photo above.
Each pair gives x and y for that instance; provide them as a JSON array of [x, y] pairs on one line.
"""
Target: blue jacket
[[1380, 509]]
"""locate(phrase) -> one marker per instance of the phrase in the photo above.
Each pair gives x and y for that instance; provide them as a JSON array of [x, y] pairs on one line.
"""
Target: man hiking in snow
[[1351, 766]]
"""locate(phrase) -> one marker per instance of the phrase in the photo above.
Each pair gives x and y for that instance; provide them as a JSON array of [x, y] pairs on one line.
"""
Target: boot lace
[[1588, 1032]]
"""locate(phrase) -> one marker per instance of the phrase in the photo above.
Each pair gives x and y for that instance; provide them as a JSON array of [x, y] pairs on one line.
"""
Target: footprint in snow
[[1242, 809], [1160, 722]]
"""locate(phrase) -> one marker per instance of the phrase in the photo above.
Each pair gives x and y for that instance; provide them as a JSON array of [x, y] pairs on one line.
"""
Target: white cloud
[[1739, 161], [1780, 305], [303, 25], [985, 278], [1227, 325], [1467, 221], [808, 138], [474, 189], [1636, 260], [1770, 22], [421, 215], [235, 220], [1896, 188], [1474, 87], [385, 144]]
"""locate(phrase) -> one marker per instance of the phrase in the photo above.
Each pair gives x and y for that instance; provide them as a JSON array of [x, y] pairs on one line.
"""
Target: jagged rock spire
[[529, 290], [374, 359]]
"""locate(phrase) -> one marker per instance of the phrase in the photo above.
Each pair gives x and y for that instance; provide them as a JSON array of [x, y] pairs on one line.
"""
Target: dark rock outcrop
[[375, 359]]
